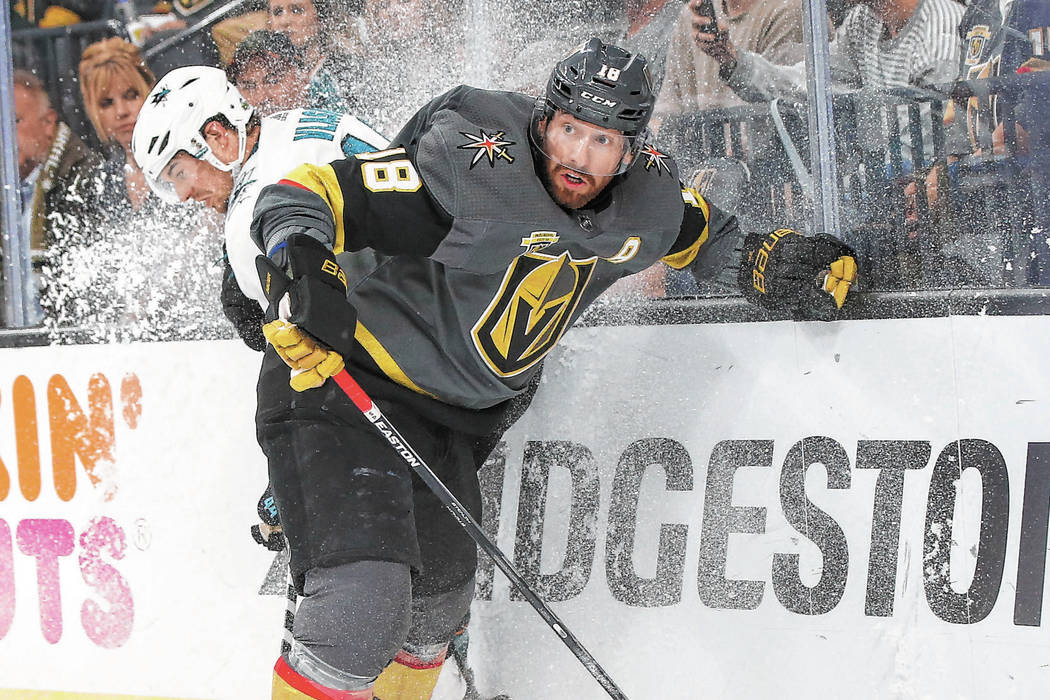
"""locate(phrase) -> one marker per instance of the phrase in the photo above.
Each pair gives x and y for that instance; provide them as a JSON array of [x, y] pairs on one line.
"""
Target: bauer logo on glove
[[807, 277], [760, 258], [311, 324]]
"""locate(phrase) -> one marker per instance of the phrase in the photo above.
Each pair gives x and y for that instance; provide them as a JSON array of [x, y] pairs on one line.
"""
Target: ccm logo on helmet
[[597, 99]]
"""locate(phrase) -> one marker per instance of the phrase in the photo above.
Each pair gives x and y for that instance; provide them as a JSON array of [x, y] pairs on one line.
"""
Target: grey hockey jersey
[[481, 272]]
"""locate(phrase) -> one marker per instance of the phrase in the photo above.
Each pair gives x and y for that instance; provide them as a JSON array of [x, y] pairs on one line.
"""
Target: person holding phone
[[772, 29]]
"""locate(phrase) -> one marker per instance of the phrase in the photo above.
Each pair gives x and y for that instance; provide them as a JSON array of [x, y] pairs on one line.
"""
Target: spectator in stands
[[649, 25], [55, 169], [992, 181], [211, 46], [237, 23], [268, 70], [1000, 38], [331, 74], [771, 29], [197, 48], [114, 82], [881, 44], [982, 33], [394, 36]]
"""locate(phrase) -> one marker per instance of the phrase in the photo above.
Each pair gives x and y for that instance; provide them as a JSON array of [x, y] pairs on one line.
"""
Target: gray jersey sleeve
[[283, 210], [709, 243]]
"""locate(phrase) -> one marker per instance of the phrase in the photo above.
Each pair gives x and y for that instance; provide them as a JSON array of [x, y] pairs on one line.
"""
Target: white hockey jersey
[[286, 141]]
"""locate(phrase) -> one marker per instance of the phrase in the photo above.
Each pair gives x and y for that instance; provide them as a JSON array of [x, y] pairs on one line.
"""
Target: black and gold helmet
[[604, 85], [606, 88]]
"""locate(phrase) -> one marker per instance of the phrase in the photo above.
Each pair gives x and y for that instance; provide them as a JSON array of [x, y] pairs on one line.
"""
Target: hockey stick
[[374, 416], [290, 607]]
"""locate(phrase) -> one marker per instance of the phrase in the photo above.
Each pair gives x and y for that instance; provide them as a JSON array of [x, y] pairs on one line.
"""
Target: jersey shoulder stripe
[[322, 181], [693, 200]]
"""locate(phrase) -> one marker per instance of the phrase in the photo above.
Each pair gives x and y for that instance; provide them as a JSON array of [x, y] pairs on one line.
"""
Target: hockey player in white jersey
[[198, 139]]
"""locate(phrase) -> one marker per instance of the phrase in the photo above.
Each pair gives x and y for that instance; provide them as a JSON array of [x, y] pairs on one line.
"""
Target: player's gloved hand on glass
[[808, 277], [310, 322]]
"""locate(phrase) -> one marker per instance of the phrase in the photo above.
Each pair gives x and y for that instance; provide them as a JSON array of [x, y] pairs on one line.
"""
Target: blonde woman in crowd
[[114, 82]]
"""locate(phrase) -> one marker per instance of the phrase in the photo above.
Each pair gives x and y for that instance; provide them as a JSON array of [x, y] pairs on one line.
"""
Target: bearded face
[[580, 158]]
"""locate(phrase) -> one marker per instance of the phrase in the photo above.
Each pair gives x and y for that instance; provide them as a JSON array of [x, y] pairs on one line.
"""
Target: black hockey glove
[[311, 323], [805, 276], [268, 533], [245, 314]]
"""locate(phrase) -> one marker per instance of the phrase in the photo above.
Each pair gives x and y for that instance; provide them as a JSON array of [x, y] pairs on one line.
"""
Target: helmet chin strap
[[242, 145], [234, 167]]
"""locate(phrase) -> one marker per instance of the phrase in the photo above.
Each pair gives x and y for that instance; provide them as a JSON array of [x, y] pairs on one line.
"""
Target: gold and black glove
[[807, 277], [311, 363], [310, 322]]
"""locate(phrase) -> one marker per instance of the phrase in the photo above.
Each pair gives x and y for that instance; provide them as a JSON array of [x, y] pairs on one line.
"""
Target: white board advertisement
[[735, 511], [129, 485]]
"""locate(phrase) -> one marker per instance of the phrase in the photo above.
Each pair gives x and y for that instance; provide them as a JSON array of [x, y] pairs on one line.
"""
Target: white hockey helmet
[[173, 117]]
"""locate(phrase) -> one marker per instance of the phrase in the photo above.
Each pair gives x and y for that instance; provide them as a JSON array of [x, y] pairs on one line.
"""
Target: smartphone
[[707, 9]]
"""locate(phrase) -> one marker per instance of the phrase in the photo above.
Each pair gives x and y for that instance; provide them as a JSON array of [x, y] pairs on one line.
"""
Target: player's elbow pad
[[284, 210]]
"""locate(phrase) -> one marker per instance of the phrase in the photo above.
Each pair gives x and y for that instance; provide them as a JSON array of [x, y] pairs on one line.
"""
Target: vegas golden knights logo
[[976, 39], [532, 308]]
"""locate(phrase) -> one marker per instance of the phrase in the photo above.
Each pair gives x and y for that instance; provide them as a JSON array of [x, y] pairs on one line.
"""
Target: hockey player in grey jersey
[[498, 219]]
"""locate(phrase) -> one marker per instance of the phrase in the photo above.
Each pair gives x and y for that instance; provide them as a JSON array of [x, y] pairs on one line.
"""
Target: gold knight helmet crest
[[532, 308]]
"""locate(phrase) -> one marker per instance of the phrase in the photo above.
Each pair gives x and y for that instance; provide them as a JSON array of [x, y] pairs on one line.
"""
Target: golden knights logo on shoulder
[[655, 159], [492, 146]]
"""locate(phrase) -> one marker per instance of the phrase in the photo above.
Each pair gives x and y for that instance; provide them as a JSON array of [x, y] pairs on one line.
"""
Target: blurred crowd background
[[940, 131]]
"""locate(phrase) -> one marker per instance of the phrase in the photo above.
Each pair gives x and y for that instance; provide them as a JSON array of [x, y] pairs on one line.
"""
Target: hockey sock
[[409, 677], [291, 685]]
